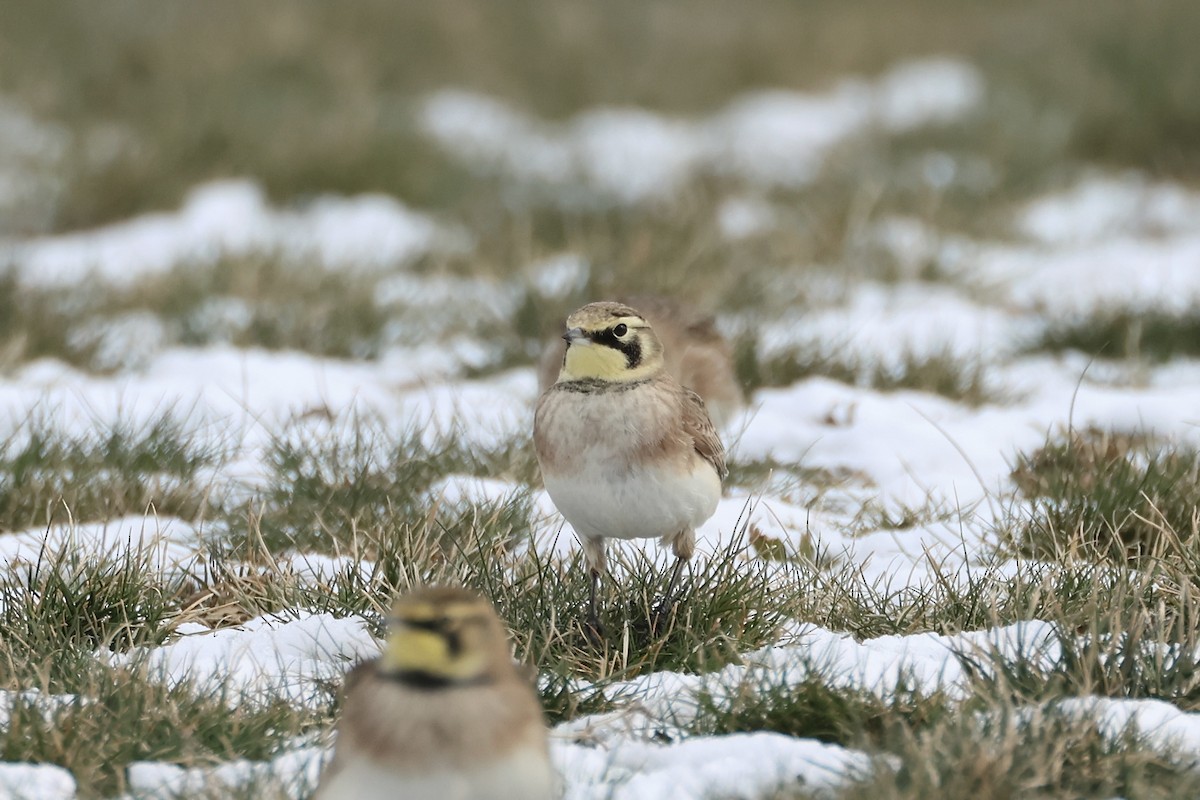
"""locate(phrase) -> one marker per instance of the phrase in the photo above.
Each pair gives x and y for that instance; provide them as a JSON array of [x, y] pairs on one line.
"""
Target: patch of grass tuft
[[1136, 636], [119, 716], [32, 324], [70, 603], [49, 475], [338, 488], [817, 707], [725, 609], [942, 372], [1005, 753], [1114, 495], [1152, 336]]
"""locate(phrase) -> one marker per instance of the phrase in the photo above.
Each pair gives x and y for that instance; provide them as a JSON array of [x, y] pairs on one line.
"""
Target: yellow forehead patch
[[421, 650], [427, 612]]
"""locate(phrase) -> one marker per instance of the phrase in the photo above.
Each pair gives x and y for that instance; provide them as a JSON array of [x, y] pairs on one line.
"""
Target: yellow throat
[[599, 354]]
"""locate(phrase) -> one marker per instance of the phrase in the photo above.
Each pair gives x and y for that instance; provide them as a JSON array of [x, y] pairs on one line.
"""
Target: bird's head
[[610, 342], [440, 637]]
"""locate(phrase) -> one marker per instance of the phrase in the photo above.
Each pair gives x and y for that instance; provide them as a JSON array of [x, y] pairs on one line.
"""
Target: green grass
[[53, 474], [69, 602], [118, 716], [32, 325], [56, 616], [334, 487], [944, 373], [1122, 635], [817, 707], [1096, 493], [1129, 635], [1021, 753], [1150, 336]]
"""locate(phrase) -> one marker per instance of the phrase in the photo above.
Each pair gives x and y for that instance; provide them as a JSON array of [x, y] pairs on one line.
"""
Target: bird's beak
[[575, 336]]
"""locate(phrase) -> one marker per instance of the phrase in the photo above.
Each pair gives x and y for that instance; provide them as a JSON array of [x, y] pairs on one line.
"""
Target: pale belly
[[641, 503], [520, 777]]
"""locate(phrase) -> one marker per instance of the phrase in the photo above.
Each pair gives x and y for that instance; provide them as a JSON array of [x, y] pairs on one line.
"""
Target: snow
[[232, 219], [632, 155], [267, 658], [1163, 725], [1131, 275], [626, 155], [914, 447], [294, 773], [250, 394], [1107, 246], [35, 782], [737, 766], [729, 767], [933, 90], [1101, 206], [664, 704], [883, 325], [742, 217], [163, 545], [560, 275]]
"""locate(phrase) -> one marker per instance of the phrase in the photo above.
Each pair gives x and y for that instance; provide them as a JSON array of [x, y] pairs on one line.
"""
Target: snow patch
[[885, 325], [735, 767], [232, 219], [35, 782], [266, 658], [627, 156], [165, 545], [1104, 206]]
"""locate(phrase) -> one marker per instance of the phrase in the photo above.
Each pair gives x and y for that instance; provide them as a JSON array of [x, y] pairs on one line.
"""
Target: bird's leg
[[684, 546], [669, 598], [592, 626], [596, 557]]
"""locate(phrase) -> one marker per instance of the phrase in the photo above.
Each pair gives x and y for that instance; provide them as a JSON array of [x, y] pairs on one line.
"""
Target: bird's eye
[[621, 330]]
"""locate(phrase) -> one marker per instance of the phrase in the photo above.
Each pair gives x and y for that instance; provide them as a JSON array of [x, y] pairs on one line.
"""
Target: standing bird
[[694, 352], [442, 714], [625, 451]]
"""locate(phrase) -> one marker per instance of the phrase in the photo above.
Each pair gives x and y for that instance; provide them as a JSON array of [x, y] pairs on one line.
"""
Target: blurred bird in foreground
[[442, 714], [694, 351], [626, 452]]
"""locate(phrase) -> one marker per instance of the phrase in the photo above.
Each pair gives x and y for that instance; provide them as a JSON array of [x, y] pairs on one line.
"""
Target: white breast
[[645, 502]]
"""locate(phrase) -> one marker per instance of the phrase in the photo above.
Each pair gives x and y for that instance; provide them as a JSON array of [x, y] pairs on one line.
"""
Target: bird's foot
[[662, 616], [593, 630]]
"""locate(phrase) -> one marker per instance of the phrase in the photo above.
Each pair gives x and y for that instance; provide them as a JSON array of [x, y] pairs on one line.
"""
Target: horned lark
[[625, 451], [442, 714], [694, 351]]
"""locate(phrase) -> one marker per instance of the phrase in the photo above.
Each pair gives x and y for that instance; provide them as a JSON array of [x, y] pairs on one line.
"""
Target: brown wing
[[704, 434]]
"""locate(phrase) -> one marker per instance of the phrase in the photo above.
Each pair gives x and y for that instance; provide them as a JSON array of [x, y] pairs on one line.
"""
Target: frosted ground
[[1110, 244]]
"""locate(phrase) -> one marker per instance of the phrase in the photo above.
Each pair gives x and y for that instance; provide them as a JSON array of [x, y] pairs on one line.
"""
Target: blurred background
[[554, 150]]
